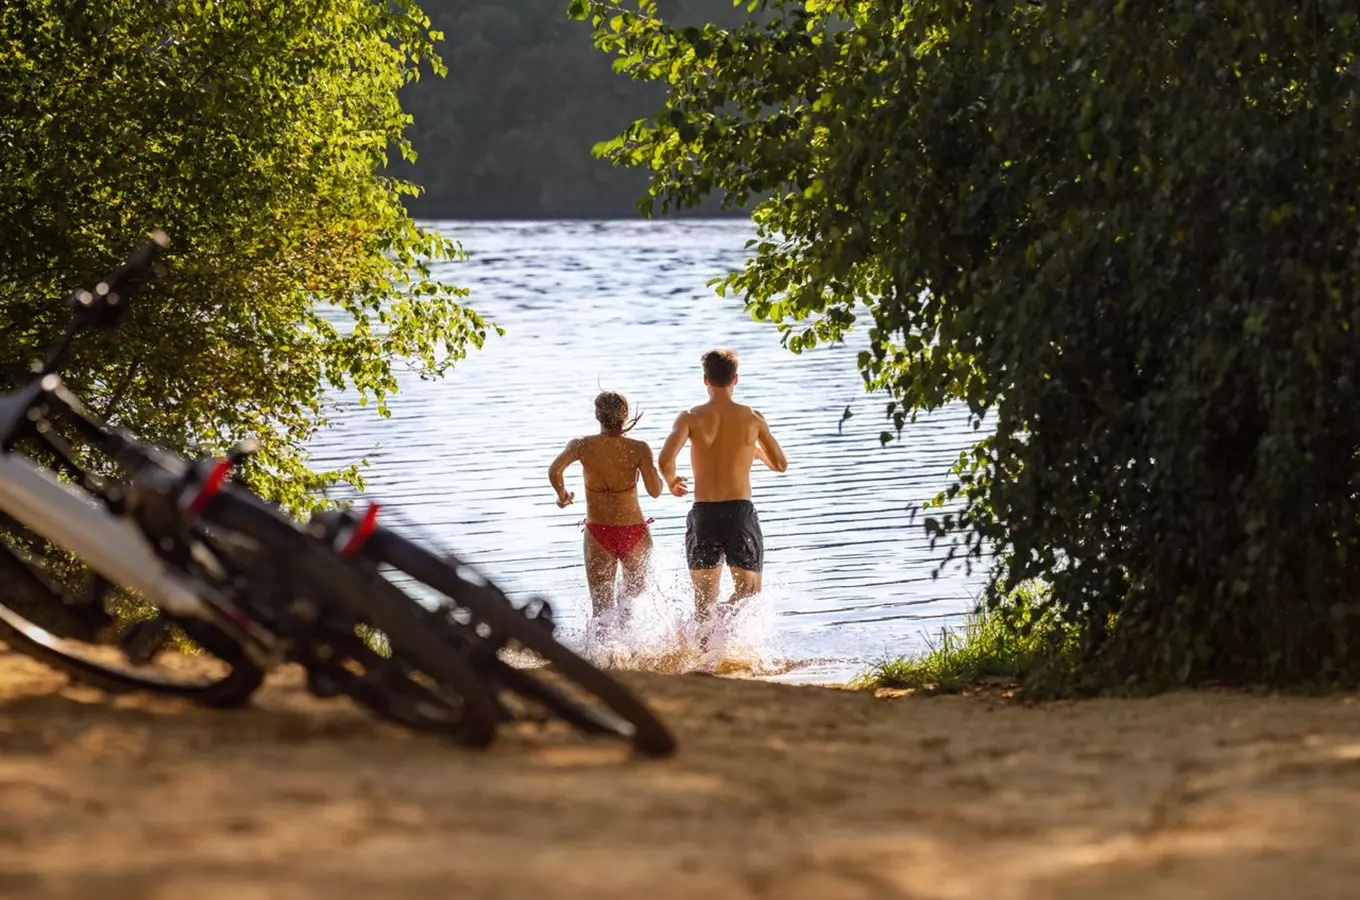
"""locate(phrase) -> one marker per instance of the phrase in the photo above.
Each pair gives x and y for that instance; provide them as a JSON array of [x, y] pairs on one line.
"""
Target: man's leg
[[745, 553], [745, 583], [704, 554], [706, 582]]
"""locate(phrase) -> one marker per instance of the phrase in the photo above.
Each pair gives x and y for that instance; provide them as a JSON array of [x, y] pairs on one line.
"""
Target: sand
[[779, 791]]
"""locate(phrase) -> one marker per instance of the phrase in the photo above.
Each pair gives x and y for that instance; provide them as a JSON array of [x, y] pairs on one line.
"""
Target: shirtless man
[[725, 437]]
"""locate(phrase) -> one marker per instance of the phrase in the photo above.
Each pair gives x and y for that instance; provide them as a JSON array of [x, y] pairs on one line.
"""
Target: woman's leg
[[637, 567], [601, 570]]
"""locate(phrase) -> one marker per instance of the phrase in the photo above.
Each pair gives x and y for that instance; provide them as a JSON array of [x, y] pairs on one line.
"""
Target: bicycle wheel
[[106, 666], [496, 621], [347, 593], [395, 693]]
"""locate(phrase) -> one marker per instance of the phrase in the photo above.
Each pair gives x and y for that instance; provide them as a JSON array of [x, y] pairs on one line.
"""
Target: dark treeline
[[508, 133]]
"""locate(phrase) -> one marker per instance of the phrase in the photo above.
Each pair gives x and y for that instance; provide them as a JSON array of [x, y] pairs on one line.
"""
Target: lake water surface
[[625, 306]]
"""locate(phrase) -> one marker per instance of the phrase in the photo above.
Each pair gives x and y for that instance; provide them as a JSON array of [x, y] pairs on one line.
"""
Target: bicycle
[[167, 533]]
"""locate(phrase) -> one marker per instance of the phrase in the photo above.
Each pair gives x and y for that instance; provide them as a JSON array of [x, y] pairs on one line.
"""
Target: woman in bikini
[[616, 534]]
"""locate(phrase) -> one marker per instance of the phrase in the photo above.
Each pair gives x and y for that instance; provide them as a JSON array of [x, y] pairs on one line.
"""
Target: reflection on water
[[624, 305]]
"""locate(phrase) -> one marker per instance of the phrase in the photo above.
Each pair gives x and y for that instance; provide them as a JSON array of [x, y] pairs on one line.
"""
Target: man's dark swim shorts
[[726, 528]]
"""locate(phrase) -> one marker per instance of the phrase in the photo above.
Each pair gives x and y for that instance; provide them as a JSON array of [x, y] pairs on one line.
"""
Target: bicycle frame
[[76, 521], [112, 545], [77, 516]]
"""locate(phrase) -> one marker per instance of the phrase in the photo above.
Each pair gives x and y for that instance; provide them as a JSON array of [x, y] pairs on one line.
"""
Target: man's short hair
[[720, 366]]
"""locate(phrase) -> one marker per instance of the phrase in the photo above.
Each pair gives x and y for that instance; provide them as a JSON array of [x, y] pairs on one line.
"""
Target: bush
[[1125, 234], [256, 134], [1016, 640]]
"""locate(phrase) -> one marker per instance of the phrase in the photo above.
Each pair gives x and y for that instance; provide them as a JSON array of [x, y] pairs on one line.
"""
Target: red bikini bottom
[[619, 540]]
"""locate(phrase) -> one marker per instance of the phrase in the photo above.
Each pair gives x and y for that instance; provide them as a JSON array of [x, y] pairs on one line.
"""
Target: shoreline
[[795, 792]]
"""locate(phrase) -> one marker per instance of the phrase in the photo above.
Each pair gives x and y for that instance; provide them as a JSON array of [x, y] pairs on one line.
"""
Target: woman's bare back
[[611, 465]]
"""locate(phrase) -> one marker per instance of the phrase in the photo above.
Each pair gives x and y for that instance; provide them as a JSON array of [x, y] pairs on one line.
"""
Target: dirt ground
[[779, 791]]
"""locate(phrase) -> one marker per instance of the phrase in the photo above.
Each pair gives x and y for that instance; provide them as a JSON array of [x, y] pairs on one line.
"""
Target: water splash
[[657, 631]]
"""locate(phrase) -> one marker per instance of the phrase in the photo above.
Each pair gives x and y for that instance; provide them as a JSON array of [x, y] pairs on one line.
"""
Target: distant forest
[[507, 135]]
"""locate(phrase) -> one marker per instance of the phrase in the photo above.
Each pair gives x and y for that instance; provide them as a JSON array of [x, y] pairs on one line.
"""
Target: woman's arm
[[569, 455], [651, 478]]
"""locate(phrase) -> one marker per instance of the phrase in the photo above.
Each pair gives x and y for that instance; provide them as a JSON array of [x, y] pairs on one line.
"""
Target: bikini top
[[627, 490], [608, 490]]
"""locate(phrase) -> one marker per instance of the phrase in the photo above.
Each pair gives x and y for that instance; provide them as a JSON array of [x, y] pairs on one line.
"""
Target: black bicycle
[[231, 571]]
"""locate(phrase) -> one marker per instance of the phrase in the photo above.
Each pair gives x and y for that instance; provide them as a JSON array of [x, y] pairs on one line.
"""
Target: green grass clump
[[1009, 642]]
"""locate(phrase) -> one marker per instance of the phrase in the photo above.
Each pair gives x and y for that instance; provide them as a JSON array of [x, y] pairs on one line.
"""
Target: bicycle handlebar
[[105, 306]]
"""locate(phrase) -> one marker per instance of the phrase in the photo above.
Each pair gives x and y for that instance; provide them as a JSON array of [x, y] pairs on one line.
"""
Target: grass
[[1006, 644]]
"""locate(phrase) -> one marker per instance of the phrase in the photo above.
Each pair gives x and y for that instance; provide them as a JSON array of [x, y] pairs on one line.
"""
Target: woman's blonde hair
[[611, 411]]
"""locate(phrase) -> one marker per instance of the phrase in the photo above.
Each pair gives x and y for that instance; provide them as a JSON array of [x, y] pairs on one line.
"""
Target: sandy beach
[[779, 791]]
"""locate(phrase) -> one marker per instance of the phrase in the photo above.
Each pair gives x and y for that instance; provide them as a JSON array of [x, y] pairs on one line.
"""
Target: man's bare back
[[725, 437]]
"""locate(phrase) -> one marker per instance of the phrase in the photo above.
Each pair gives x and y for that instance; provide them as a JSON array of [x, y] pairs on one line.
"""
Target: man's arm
[[670, 450], [651, 479], [569, 455], [768, 450]]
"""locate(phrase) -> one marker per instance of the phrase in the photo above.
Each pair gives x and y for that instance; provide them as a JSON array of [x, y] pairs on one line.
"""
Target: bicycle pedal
[[539, 610], [141, 641], [322, 685], [88, 616], [89, 609], [506, 714], [86, 622]]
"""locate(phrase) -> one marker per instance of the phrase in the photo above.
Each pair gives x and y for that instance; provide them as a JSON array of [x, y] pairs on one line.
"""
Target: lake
[[624, 305]]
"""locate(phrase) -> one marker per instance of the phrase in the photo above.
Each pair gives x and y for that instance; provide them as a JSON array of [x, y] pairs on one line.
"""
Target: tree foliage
[[255, 133], [1125, 234]]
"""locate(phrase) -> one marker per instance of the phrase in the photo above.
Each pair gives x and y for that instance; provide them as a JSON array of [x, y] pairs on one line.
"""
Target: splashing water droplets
[[657, 630]]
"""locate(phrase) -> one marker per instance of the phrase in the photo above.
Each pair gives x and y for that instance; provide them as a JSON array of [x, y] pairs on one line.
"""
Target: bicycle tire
[[401, 700], [23, 636], [368, 599], [385, 686], [556, 701], [488, 604]]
